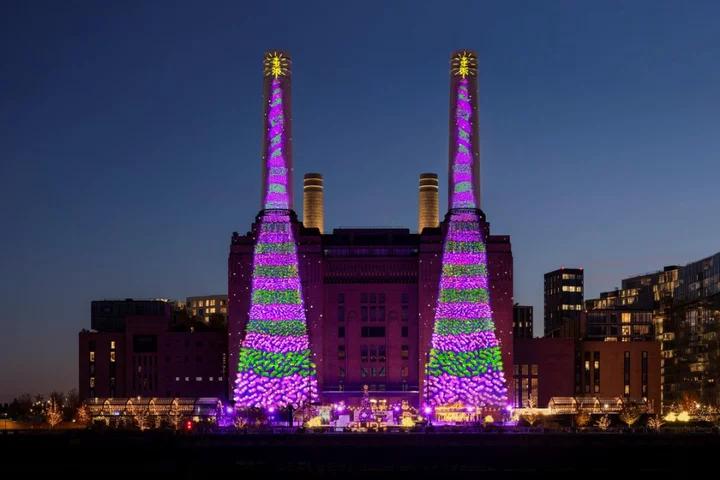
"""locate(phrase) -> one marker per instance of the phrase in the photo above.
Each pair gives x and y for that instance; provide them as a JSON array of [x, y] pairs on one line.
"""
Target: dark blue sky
[[130, 141]]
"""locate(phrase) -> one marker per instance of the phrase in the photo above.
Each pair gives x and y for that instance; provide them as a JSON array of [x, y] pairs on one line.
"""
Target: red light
[[188, 425]]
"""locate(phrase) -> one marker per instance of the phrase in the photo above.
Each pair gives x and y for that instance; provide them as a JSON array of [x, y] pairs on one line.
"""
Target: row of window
[[372, 313], [374, 353], [526, 391], [572, 307], [199, 379], [93, 346], [571, 288], [207, 311], [373, 298], [644, 374], [92, 357], [525, 370], [373, 332], [208, 303], [372, 372]]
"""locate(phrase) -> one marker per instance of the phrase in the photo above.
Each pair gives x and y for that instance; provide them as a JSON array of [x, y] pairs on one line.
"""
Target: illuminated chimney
[[313, 216], [429, 208]]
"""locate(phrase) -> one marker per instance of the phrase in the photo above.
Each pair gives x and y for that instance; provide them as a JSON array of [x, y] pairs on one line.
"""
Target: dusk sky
[[130, 138]]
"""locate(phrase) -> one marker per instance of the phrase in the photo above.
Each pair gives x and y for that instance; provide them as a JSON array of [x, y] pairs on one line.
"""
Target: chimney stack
[[313, 215], [429, 208]]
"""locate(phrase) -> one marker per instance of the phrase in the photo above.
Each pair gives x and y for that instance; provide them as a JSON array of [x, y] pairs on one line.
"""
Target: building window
[[404, 313], [341, 298], [381, 354], [112, 345], [112, 356], [404, 298], [363, 353], [534, 370], [381, 372], [644, 367], [578, 372], [381, 314], [341, 372], [363, 298], [92, 356], [373, 298], [404, 372], [525, 370], [596, 371], [525, 385], [372, 332], [341, 352], [587, 372], [198, 379], [405, 332], [373, 353], [373, 313], [341, 313], [363, 314], [405, 352], [92, 382], [364, 372], [341, 332], [626, 374], [381, 298]]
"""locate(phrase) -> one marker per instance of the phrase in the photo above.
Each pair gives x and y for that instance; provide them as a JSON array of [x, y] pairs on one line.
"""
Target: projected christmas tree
[[275, 367], [465, 363]]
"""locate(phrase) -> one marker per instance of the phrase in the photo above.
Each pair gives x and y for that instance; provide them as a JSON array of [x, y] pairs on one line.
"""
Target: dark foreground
[[353, 455]]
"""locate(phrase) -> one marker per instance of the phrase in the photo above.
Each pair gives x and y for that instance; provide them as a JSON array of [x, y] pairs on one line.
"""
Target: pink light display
[[275, 367], [465, 363]]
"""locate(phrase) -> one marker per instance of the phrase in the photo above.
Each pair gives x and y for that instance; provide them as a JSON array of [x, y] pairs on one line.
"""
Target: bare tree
[[21, 406], [53, 416], [583, 418], [604, 423], [83, 415], [72, 403], [654, 423], [531, 416], [58, 398], [142, 418], [630, 413], [175, 416]]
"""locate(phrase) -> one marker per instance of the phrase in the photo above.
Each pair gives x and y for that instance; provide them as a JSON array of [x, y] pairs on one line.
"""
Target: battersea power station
[[424, 318]]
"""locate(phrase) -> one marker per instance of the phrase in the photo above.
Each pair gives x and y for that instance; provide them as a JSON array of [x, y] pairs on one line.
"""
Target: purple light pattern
[[464, 365], [465, 342], [275, 370]]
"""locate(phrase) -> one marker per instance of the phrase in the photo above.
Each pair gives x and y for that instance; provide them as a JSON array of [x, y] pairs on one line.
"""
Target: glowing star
[[275, 65], [465, 64]]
